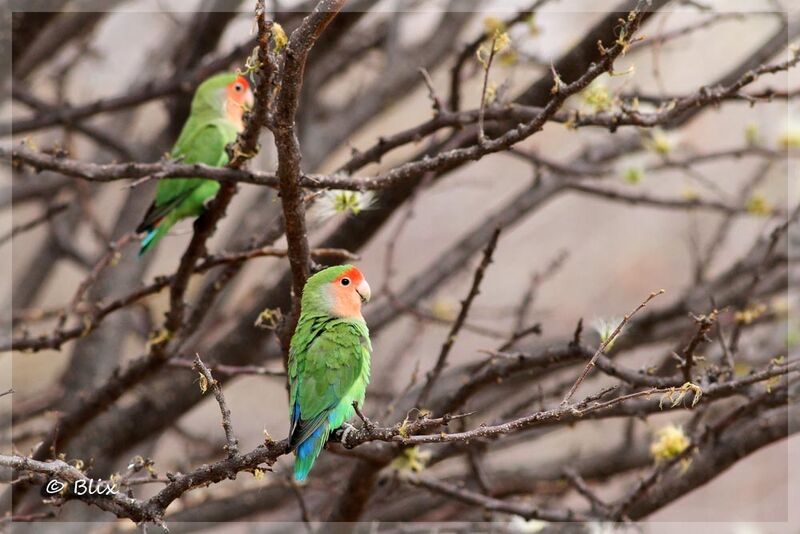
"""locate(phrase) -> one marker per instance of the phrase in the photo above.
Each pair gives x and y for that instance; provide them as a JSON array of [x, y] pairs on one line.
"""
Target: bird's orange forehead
[[241, 80], [353, 274]]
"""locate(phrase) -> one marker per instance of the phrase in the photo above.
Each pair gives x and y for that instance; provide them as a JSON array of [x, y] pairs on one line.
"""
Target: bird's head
[[337, 291], [228, 95]]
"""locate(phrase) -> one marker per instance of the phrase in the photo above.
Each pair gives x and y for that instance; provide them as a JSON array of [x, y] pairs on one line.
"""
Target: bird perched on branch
[[329, 361], [214, 122]]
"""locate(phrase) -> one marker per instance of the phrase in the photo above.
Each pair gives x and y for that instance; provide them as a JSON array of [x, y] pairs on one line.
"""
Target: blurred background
[[579, 256]]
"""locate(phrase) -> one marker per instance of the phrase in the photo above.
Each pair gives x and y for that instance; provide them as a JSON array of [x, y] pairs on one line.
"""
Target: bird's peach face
[[347, 293], [239, 98]]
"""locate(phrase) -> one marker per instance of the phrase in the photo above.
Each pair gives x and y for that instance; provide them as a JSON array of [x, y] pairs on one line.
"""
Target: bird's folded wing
[[206, 146], [329, 368]]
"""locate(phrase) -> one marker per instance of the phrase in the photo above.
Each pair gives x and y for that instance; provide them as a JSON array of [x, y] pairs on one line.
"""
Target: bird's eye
[[238, 88], [345, 281]]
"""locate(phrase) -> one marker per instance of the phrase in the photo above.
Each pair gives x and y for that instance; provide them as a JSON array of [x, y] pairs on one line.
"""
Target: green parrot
[[329, 361], [214, 122]]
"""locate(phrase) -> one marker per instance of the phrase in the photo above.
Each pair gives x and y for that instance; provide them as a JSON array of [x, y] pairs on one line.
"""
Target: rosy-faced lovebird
[[214, 121], [329, 360]]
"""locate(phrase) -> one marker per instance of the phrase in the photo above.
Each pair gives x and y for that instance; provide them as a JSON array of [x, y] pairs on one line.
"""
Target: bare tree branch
[[232, 448], [606, 342], [286, 104], [474, 291]]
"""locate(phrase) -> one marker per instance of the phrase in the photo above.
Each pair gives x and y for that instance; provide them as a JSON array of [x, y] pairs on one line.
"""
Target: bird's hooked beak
[[249, 100], [363, 291]]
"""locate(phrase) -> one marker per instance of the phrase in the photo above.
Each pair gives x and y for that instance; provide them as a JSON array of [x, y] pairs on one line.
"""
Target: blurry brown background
[[616, 254]]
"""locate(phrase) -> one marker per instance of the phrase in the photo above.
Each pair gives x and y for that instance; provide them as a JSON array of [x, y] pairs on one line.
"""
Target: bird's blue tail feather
[[148, 240], [307, 452]]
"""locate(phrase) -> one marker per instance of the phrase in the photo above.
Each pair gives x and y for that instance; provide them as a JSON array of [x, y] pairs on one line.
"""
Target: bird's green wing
[[206, 145], [333, 367]]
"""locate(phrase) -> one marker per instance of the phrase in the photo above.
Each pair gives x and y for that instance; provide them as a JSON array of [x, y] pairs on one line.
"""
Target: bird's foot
[[346, 430]]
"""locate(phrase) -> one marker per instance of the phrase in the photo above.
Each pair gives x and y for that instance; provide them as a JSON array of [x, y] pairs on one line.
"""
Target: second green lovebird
[[329, 361], [214, 122]]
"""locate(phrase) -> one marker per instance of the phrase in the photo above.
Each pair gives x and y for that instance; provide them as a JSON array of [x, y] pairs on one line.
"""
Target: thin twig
[[469, 50], [98, 311], [727, 356], [704, 324], [482, 111], [758, 273], [232, 446], [490, 503], [645, 199], [536, 281], [438, 105], [49, 213], [605, 344], [229, 370], [474, 290], [580, 485], [69, 115], [107, 259], [518, 335]]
